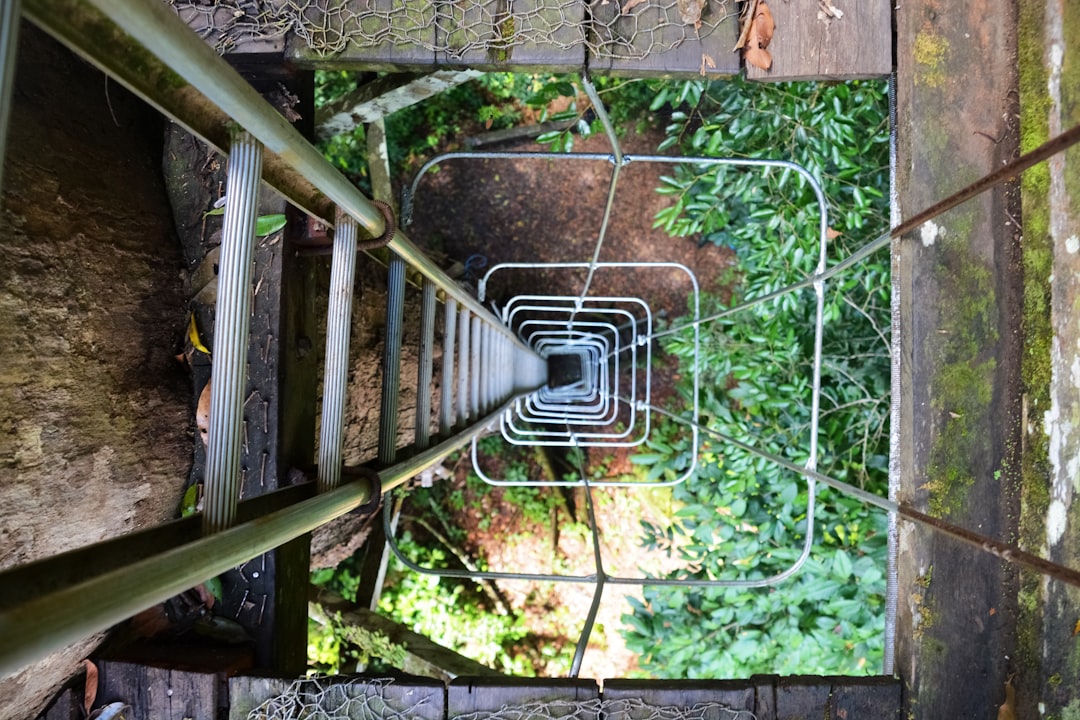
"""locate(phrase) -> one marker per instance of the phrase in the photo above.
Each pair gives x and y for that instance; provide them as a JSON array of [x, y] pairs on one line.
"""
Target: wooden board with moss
[[960, 347], [379, 35], [537, 35]]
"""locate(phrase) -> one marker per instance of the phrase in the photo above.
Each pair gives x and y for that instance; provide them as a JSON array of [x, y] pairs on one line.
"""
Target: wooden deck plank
[[66, 706], [626, 41], [961, 338], [392, 35], [801, 698], [157, 693], [872, 697], [715, 697], [857, 45], [473, 695], [765, 696], [544, 35], [359, 697]]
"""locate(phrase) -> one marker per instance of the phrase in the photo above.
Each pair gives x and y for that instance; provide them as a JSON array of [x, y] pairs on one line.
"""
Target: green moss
[[1070, 99], [1035, 367], [963, 388], [507, 30], [930, 51], [1071, 711]]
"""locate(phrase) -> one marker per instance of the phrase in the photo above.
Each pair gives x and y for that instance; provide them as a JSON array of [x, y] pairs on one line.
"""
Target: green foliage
[[742, 517], [452, 613]]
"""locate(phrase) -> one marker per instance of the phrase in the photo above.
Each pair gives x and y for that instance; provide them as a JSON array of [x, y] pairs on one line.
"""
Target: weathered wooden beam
[[384, 96], [736, 695], [357, 697], [153, 693], [559, 698], [378, 157], [543, 35], [422, 656]]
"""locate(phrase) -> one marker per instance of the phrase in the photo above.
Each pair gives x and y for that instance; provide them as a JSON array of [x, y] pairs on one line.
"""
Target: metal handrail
[[146, 48], [54, 619]]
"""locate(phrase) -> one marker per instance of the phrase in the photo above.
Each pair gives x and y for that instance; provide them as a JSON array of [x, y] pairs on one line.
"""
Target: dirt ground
[[547, 211]]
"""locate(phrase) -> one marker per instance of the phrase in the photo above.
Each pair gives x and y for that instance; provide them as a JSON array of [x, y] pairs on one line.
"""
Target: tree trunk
[[95, 427]]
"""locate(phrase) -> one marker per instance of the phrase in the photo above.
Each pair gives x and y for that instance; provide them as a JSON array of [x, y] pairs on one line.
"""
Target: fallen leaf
[[630, 5], [832, 234], [747, 21], [1007, 709], [202, 413], [758, 57], [690, 12], [993, 611], [1076, 628], [764, 23], [706, 63], [90, 691], [193, 336], [759, 37], [955, 416]]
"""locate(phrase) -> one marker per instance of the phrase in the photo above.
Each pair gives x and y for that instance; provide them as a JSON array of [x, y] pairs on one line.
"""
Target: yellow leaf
[[193, 335]]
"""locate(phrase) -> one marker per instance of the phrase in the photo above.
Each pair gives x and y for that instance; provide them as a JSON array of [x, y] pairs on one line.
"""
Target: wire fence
[[619, 29]]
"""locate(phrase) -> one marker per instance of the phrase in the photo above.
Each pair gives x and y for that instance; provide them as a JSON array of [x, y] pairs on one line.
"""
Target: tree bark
[[95, 426]]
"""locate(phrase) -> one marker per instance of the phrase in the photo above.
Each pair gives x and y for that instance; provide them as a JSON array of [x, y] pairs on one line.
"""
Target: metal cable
[[1005, 551]]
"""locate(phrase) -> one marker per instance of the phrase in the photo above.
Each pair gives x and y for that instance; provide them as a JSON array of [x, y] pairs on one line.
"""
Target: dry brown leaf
[[759, 37], [832, 234], [202, 413], [630, 5], [706, 63], [90, 691], [690, 12], [1007, 709], [764, 24], [758, 57], [747, 21]]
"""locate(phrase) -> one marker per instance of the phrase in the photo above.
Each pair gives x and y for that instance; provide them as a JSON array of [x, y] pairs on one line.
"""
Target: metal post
[[446, 405], [395, 312], [336, 368], [477, 370], [465, 354], [231, 333], [423, 375], [9, 45]]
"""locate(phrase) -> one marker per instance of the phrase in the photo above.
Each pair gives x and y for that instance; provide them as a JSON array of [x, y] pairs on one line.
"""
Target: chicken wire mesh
[[618, 29]]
